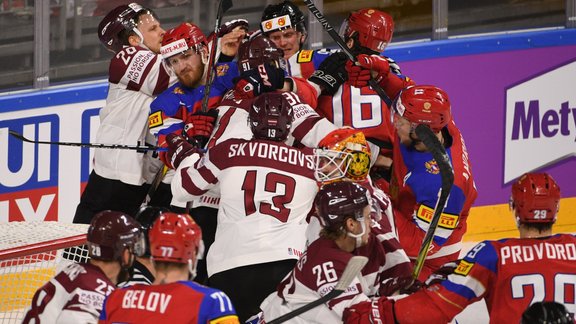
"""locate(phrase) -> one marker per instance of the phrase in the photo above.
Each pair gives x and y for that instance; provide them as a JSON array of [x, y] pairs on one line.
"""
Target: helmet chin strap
[[358, 237], [141, 44]]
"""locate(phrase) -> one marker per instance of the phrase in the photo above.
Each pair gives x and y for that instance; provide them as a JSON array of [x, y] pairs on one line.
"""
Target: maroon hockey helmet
[[535, 198], [270, 117], [258, 50], [282, 16], [111, 232], [372, 28], [337, 201], [175, 238], [146, 217], [121, 18], [424, 104], [182, 38]]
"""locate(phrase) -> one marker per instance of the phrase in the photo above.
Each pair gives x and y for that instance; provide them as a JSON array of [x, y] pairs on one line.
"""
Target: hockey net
[[30, 254]]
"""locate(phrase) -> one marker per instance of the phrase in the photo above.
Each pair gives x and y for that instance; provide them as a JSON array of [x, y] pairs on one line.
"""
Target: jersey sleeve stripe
[[465, 286]]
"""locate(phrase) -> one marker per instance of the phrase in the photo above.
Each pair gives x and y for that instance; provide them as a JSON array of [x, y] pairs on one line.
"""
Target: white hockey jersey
[[267, 190], [75, 295], [136, 76]]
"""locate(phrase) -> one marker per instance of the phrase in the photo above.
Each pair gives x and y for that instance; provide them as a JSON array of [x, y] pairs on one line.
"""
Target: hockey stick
[[223, 6], [330, 30], [447, 176], [154, 185], [353, 268], [142, 148]]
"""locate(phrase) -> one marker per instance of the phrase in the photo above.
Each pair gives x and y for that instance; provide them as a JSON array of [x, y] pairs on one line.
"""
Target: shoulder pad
[[305, 56]]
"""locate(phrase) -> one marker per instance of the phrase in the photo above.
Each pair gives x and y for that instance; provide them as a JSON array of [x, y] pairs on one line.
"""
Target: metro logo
[[540, 121]]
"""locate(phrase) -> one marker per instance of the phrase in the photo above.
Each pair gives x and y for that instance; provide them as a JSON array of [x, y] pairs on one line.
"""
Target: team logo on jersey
[[463, 268], [448, 221], [305, 56], [432, 167], [178, 90], [222, 70], [155, 119]]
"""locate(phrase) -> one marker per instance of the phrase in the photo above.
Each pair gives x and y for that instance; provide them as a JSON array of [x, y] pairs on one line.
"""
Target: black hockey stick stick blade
[[226, 4], [353, 268], [142, 148], [437, 150], [334, 35]]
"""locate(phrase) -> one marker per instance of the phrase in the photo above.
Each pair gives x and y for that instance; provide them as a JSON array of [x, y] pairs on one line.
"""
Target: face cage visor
[[330, 165]]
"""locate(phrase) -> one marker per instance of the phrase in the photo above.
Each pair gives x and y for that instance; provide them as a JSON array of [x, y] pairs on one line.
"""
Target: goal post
[[30, 254]]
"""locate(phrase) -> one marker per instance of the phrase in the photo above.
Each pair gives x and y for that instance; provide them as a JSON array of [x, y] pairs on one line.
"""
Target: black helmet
[[274, 18]]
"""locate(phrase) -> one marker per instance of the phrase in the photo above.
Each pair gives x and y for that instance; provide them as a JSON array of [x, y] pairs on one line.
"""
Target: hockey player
[[175, 241], [509, 274], [137, 74], [76, 294], [344, 155], [344, 209], [142, 271], [416, 178], [266, 191], [346, 98]]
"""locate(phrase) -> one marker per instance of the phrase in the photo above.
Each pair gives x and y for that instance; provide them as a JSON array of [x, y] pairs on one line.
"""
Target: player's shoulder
[[83, 276], [324, 250], [195, 287], [316, 56]]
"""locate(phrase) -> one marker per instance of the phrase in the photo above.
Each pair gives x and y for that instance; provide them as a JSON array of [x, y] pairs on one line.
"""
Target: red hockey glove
[[199, 126], [264, 78], [380, 310], [442, 274], [178, 150], [359, 74], [402, 285]]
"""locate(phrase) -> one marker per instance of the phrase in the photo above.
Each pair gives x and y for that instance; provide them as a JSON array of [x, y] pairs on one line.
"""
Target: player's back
[[178, 302], [267, 189], [531, 270]]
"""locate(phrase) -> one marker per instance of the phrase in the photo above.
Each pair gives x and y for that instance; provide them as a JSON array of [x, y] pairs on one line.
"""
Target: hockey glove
[[380, 310], [229, 26], [264, 78], [331, 73], [359, 73], [402, 285], [199, 126], [442, 274], [178, 150]]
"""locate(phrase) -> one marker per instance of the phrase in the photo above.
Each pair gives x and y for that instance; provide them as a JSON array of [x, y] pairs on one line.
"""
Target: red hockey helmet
[[337, 201], [270, 117], [258, 50], [175, 238], [282, 16], [535, 198], [343, 153], [182, 38], [372, 28], [111, 232], [424, 104], [121, 18]]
